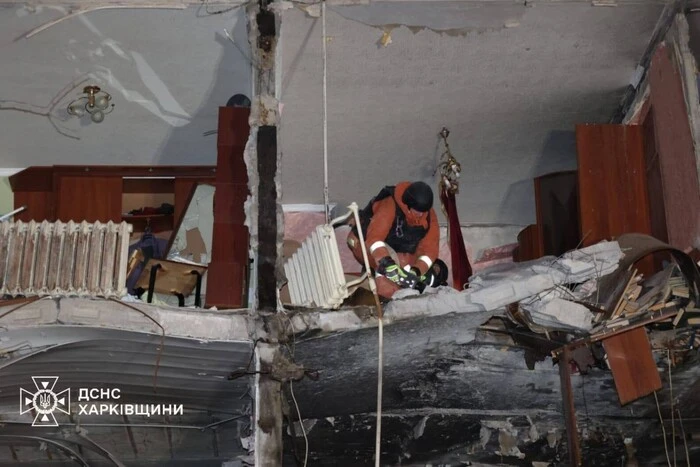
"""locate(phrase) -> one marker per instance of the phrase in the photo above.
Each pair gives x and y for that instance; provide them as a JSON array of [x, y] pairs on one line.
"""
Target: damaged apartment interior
[[190, 265]]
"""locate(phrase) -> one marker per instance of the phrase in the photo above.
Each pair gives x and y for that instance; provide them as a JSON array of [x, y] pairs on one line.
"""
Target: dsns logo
[[44, 401]]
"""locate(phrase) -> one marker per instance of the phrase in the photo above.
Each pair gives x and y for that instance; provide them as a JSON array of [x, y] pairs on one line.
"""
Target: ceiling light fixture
[[96, 102]]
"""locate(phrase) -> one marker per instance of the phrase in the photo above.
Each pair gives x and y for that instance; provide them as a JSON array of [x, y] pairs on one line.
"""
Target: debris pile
[[630, 314]]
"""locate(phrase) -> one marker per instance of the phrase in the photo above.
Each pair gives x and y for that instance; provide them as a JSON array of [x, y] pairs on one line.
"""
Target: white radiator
[[57, 258], [315, 274]]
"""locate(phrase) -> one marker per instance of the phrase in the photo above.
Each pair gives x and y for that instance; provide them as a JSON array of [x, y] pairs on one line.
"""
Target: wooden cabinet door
[[613, 195], [86, 198]]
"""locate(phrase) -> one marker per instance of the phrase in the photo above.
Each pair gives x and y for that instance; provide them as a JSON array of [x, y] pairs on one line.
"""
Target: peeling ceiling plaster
[[167, 70], [510, 96], [455, 17]]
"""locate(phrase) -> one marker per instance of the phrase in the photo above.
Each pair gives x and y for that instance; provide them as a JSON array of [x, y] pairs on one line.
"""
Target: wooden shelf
[[97, 193], [158, 222], [126, 217]]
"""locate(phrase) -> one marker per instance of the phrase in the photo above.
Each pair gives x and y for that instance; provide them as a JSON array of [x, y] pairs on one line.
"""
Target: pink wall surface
[[299, 225]]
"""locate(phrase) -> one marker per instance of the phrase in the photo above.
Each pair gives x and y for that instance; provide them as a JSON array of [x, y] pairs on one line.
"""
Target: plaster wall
[[510, 84], [7, 198], [168, 71]]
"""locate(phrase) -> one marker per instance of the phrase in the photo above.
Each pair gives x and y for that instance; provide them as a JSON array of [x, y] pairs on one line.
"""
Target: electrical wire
[[380, 376], [673, 417], [81, 11], [21, 305], [685, 441], [291, 392], [206, 3], [72, 455], [663, 430], [162, 340], [301, 424], [325, 113]]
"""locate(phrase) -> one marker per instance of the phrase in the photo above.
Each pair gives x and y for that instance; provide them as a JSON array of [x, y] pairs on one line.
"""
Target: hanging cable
[[673, 417], [291, 391], [685, 442], [325, 117], [380, 337], [663, 430]]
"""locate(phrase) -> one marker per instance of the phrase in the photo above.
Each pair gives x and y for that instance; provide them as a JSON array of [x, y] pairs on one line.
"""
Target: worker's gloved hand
[[421, 277], [421, 284], [389, 269]]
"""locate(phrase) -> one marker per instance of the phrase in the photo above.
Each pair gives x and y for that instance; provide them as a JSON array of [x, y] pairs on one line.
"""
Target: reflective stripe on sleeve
[[376, 245]]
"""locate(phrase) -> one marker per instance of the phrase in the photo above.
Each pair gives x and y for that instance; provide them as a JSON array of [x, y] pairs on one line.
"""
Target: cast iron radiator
[[315, 274], [63, 259]]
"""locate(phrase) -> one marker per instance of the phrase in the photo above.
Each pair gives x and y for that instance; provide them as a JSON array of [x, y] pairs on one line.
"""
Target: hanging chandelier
[[95, 102]]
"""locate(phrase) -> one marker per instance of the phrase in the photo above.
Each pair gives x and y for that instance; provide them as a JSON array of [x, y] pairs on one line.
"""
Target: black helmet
[[418, 196]]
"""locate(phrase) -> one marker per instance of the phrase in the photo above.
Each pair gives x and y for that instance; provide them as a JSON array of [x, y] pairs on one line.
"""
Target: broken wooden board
[[172, 278], [632, 364]]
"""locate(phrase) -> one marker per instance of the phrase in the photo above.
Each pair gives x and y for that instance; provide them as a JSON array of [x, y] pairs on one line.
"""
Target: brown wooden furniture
[[557, 229], [612, 181], [529, 244], [632, 364], [227, 280], [171, 277], [97, 193], [609, 194]]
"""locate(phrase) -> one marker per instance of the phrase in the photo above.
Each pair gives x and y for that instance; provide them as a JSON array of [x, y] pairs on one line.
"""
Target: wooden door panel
[[613, 195]]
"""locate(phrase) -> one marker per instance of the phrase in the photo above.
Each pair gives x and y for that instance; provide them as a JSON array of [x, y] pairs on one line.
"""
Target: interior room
[[193, 271]]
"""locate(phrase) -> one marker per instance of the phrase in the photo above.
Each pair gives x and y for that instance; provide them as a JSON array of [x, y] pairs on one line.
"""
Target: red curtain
[[461, 269]]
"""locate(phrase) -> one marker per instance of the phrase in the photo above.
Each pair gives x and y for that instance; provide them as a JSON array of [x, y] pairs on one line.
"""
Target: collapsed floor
[[465, 379]]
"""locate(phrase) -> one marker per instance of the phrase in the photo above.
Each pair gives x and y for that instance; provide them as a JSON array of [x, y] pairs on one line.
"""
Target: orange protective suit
[[415, 237]]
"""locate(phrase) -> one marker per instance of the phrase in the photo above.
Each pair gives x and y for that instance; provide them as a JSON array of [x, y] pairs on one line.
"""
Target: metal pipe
[[4, 217]]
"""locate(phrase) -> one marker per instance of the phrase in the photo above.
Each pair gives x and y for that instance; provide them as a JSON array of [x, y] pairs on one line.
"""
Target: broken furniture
[[171, 277], [59, 259], [620, 188], [626, 310], [103, 193]]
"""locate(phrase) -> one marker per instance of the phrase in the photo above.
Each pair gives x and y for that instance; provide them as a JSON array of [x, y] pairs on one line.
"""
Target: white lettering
[[83, 409], [116, 393], [93, 410], [83, 394], [178, 410], [167, 409], [142, 409], [155, 409], [94, 393], [128, 409]]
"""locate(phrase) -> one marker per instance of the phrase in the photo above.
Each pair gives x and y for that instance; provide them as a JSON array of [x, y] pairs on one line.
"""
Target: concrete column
[[266, 230]]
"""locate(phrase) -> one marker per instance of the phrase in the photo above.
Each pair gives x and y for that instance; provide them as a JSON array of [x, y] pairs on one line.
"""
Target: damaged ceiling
[[168, 71], [509, 81]]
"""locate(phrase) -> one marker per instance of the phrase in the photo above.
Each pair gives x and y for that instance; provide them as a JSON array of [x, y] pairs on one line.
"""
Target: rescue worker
[[402, 236]]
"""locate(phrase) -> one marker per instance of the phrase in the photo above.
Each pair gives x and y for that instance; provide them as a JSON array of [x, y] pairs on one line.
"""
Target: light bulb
[[102, 102], [98, 116], [77, 109]]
